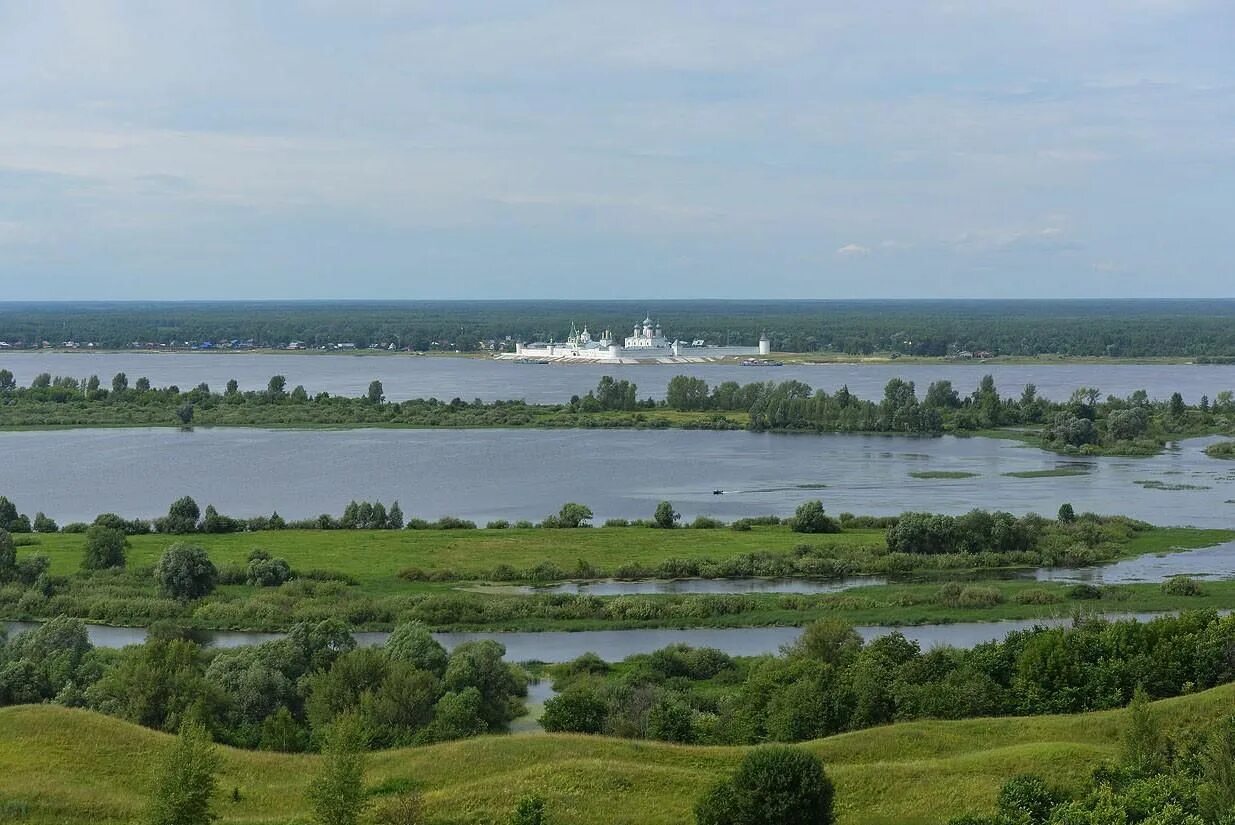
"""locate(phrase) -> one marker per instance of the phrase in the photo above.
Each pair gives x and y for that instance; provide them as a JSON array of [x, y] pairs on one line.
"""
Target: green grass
[[374, 557], [1054, 472], [74, 767], [925, 474], [1155, 484], [379, 598]]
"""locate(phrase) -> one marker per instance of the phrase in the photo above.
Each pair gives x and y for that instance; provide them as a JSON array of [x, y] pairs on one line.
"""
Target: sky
[[510, 149]]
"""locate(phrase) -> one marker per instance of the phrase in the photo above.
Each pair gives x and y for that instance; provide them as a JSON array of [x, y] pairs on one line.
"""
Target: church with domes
[[648, 337]]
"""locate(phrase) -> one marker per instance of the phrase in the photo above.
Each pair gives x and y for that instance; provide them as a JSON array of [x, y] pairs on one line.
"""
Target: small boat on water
[[718, 492]]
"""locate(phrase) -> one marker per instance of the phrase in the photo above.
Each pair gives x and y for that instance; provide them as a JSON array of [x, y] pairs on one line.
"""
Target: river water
[[407, 376], [515, 474], [615, 645]]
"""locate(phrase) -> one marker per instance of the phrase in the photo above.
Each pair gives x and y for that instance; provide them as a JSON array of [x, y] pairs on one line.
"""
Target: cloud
[[688, 145]]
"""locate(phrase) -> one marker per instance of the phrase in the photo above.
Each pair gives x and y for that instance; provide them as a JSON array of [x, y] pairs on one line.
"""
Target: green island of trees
[[1185, 329], [374, 568], [1086, 424], [1222, 449]]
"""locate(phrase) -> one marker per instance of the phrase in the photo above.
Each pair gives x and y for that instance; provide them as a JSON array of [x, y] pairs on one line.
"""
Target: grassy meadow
[[362, 577], [72, 767]]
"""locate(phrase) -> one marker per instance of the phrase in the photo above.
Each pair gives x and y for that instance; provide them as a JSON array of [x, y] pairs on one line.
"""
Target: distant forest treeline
[[926, 328]]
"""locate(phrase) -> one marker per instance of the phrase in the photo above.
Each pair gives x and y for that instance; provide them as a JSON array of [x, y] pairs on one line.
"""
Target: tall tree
[[185, 780], [337, 793]]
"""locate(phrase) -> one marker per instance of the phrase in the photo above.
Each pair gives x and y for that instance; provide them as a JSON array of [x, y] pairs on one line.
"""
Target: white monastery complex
[[647, 343]]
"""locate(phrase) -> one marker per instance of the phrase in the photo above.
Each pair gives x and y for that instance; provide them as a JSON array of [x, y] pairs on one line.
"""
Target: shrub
[[578, 709], [616, 522], [706, 523], [955, 595], [1084, 592], [1036, 595], [773, 784], [810, 518], [452, 523], [1182, 586], [185, 572], [498, 524], [529, 811], [263, 571], [104, 548], [1026, 798]]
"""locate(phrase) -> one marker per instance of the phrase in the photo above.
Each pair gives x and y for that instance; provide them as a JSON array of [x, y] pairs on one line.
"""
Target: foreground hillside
[[69, 766]]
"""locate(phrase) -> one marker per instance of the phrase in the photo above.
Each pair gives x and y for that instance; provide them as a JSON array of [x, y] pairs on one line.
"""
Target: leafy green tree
[[1176, 405], [185, 572], [7, 384], [233, 388], [579, 708], [1216, 793], [778, 784], [671, 720], [337, 794], [402, 705], [276, 387], [185, 780], [1142, 746], [10, 519], [412, 643], [376, 393], [665, 516], [8, 556], [264, 571], [142, 385], [456, 716], [339, 690], [501, 685], [185, 413], [687, 393], [394, 518], [43, 524], [105, 548], [810, 518], [182, 517], [281, 732], [572, 515], [158, 684], [1066, 514], [831, 641], [119, 383]]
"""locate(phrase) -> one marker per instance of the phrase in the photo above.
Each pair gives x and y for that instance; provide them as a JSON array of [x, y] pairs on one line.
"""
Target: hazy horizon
[[398, 150]]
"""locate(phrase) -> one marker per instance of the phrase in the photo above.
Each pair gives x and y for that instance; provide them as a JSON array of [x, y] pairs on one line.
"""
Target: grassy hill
[[72, 767]]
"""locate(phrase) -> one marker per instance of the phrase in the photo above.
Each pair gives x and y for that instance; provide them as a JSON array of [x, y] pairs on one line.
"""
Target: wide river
[[513, 474], [615, 645], [408, 376]]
